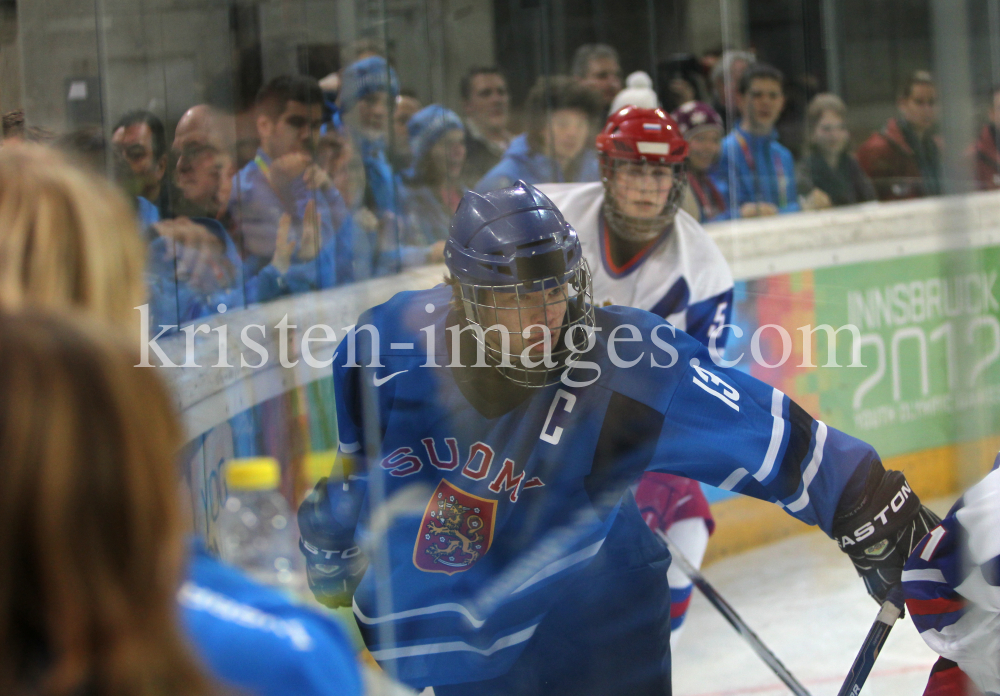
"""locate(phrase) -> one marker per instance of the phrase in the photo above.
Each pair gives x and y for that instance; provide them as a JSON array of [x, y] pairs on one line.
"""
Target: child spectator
[[368, 84], [987, 149], [701, 126], [433, 188], [557, 145], [904, 158], [828, 174], [407, 104], [756, 173], [339, 157]]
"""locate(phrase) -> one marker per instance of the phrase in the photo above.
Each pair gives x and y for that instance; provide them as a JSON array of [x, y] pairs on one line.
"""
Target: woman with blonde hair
[[91, 535], [70, 241], [91, 539]]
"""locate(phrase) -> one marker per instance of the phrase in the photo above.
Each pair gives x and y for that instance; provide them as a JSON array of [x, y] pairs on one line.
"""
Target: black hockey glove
[[334, 563], [880, 530]]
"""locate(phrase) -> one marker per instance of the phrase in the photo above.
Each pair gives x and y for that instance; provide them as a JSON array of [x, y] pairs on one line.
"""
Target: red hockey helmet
[[638, 135], [651, 140]]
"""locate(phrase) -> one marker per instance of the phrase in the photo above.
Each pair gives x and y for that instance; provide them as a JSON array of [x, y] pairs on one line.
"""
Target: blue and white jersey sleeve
[[729, 430], [952, 585], [710, 318]]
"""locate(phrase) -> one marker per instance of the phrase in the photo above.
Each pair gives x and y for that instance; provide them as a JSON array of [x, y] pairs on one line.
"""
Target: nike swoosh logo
[[379, 381]]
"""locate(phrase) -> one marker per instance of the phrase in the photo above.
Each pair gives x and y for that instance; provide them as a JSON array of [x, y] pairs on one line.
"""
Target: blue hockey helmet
[[511, 249], [509, 236]]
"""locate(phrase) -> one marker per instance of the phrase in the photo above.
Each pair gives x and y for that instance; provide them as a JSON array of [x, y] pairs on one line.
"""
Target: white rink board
[[803, 598]]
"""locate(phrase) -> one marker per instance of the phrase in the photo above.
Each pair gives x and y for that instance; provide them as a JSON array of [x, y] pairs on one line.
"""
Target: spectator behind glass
[[701, 126], [903, 160], [597, 67], [829, 175], [433, 191], [727, 74], [986, 151], [93, 550], [486, 104], [339, 158], [756, 173], [284, 180], [70, 245], [560, 114], [407, 104], [139, 140], [367, 85], [195, 265]]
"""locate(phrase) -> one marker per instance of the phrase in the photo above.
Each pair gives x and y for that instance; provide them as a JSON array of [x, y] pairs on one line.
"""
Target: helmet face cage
[[629, 227], [497, 312]]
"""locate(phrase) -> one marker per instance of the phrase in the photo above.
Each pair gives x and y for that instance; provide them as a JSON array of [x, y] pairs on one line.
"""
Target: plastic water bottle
[[256, 529]]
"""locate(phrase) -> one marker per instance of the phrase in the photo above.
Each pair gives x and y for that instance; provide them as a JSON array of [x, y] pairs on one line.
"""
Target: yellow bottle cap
[[320, 464], [253, 473]]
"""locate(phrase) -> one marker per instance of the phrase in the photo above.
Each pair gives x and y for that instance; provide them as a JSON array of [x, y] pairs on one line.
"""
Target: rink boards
[[918, 279]]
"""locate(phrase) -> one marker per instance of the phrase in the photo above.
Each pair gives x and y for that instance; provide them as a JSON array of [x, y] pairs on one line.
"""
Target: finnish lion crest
[[455, 532]]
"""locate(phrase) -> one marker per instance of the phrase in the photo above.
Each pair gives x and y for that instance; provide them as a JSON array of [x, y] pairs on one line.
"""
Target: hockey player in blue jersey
[[489, 474]]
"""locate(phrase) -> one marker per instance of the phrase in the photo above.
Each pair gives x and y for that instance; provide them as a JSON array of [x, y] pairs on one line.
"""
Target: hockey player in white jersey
[[952, 587], [644, 252]]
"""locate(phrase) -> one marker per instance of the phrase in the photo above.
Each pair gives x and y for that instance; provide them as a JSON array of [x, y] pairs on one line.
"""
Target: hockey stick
[[734, 620], [891, 610]]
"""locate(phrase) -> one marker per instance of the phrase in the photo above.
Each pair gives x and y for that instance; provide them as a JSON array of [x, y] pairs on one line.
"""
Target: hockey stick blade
[[877, 635], [734, 619]]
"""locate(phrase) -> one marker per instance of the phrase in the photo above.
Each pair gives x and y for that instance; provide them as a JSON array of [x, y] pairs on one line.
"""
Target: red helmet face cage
[[651, 138]]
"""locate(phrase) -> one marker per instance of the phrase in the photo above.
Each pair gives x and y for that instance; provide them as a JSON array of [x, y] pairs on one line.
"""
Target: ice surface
[[805, 601]]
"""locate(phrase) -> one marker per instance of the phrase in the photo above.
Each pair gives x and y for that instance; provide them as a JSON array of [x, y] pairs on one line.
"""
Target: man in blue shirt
[[284, 179], [756, 173]]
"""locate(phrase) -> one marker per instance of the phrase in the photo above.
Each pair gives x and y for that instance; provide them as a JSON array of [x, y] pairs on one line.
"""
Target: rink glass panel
[[929, 383]]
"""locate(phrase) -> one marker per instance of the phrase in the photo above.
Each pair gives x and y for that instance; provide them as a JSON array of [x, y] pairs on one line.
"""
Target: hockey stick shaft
[[877, 635], [734, 619]]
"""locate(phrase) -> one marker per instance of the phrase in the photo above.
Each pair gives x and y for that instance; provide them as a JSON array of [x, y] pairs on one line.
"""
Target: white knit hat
[[638, 92]]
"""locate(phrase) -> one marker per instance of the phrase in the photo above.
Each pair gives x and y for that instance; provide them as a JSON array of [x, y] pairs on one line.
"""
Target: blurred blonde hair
[[91, 533], [69, 240]]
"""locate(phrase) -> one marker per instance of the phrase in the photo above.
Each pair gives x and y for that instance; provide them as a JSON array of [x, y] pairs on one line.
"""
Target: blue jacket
[[769, 179], [255, 639], [383, 183], [521, 162], [257, 208]]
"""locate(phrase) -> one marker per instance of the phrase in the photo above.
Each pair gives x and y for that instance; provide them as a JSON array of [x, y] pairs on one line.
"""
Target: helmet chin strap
[[638, 229]]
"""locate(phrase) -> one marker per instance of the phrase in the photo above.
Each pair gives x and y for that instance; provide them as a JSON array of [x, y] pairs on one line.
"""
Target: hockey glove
[[881, 529], [334, 563]]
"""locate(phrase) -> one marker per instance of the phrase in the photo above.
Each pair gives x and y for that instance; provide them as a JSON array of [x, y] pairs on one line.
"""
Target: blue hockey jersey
[[479, 519]]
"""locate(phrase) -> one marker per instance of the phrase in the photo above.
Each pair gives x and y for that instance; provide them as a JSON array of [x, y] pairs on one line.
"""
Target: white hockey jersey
[[683, 277], [952, 584]]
